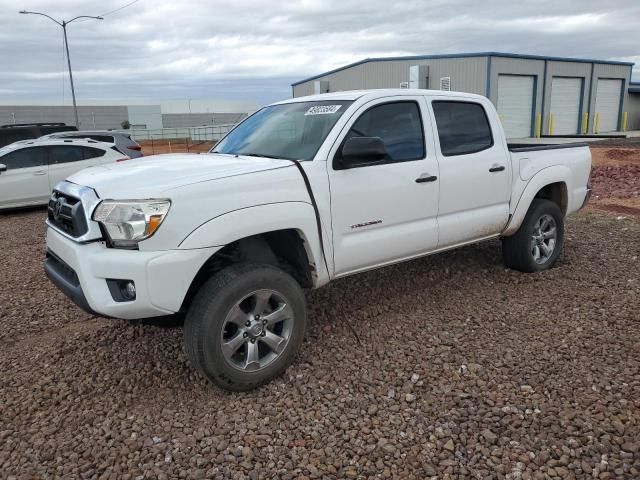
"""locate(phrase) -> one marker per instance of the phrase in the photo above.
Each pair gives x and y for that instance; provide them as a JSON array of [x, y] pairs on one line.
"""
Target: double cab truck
[[300, 193]]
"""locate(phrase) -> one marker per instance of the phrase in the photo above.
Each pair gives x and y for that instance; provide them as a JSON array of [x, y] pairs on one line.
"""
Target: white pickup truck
[[302, 192]]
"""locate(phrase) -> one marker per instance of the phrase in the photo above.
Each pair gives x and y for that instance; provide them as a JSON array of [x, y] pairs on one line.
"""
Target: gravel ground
[[616, 181], [615, 142], [449, 366]]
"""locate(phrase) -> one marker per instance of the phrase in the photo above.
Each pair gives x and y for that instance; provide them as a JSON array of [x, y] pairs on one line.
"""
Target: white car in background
[[29, 169]]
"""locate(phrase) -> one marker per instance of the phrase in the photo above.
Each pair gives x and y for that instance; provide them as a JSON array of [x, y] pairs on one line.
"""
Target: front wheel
[[245, 326], [538, 242]]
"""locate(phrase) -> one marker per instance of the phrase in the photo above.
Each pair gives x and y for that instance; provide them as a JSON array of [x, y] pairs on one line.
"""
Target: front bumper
[[162, 278]]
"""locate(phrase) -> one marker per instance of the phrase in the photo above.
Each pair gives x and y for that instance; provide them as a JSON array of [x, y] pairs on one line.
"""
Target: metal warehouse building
[[533, 94]]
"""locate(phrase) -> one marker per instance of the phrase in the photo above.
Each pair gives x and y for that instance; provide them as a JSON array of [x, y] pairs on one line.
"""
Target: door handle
[[425, 177], [39, 172], [496, 168]]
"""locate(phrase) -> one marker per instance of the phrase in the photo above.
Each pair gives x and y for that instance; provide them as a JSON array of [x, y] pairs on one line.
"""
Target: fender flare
[[246, 222], [547, 176]]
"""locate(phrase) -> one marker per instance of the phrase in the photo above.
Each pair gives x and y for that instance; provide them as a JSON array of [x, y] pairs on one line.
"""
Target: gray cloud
[[253, 49]]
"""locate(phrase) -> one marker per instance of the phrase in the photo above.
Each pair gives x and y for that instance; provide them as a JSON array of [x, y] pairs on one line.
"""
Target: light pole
[[64, 24]]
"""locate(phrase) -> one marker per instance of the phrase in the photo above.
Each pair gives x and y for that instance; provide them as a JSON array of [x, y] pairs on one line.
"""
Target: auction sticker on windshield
[[323, 109]]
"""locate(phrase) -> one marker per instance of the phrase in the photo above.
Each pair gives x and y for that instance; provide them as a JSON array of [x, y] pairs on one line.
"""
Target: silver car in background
[[123, 141]]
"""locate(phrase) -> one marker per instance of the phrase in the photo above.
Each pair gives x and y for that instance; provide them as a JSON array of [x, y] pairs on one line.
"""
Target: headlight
[[127, 222]]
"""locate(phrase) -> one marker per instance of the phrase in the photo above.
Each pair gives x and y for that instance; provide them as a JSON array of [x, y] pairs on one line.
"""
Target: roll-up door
[[566, 96], [515, 104], [608, 103]]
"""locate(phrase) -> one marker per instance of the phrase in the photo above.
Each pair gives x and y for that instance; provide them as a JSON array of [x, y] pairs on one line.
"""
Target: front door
[[475, 176], [386, 212], [25, 182]]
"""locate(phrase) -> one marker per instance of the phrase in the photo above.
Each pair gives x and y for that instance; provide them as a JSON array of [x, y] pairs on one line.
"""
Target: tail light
[[136, 147], [123, 159]]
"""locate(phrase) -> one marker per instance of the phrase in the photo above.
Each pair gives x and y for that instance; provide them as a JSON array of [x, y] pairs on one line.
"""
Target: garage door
[[566, 94], [515, 103], [608, 103]]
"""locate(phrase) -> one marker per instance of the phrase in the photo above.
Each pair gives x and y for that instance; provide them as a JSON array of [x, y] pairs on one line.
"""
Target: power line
[[118, 9], [113, 11]]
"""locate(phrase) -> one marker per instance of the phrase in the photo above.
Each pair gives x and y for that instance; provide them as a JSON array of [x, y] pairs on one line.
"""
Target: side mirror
[[360, 151], [3, 167]]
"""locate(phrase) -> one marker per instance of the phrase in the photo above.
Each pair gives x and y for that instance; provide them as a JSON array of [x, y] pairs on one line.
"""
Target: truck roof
[[371, 94]]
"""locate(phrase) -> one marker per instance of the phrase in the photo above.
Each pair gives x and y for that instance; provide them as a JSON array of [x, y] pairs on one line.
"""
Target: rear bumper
[[162, 279]]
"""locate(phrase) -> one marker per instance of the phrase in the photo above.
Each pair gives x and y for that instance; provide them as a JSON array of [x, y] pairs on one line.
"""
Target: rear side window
[[66, 154], [398, 125], [463, 127], [25, 158], [90, 152]]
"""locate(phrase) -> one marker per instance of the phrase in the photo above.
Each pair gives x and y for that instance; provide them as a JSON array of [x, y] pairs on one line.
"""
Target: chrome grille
[[66, 213]]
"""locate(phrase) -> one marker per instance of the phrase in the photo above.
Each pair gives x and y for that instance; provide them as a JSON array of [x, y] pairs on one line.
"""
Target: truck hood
[[140, 177]]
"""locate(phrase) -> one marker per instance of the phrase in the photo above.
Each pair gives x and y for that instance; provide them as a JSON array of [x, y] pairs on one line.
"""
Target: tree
[[126, 125]]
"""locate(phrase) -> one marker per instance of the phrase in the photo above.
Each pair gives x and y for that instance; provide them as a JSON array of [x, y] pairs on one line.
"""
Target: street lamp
[[64, 24]]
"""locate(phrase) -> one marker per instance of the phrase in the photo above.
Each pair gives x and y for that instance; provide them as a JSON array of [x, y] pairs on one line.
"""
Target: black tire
[[517, 249], [208, 314]]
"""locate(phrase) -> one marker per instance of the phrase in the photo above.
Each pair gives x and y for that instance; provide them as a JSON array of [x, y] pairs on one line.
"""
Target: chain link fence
[[177, 140]]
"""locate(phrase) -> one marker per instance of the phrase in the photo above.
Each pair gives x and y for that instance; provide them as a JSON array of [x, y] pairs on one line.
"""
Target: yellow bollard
[[596, 127], [551, 123], [585, 123], [538, 125], [625, 119]]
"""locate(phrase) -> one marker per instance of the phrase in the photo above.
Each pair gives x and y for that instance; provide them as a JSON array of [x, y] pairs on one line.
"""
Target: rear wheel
[[538, 242], [245, 326]]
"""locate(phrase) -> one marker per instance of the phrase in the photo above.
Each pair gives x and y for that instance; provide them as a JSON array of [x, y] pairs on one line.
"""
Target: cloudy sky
[[253, 50]]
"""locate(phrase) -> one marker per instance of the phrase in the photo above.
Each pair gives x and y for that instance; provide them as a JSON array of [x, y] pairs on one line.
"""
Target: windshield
[[294, 131]]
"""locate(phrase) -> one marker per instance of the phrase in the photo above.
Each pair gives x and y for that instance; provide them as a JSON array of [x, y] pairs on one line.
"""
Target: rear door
[[65, 160], [25, 182], [475, 175], [385, 212]]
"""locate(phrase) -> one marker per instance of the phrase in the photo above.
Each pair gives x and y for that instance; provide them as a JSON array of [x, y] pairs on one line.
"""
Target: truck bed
[[534, 147]]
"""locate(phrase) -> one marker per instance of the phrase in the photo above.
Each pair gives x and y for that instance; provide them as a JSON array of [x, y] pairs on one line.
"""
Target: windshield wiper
[[261, 155]]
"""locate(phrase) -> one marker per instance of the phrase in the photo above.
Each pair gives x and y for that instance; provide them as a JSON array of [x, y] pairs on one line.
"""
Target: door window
[[66, 154], [398, 124], [463, 127], [25, 158]]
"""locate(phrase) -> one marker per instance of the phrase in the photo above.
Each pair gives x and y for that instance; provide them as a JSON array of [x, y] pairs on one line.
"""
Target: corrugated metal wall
[[182, 120], [99, 117], [103, 117], [145, 116], [467, 75]]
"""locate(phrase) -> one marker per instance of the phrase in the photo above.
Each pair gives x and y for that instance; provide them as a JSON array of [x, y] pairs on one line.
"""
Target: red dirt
[[180, 145], [603, 156]]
